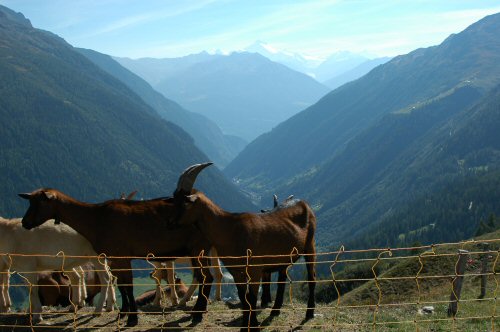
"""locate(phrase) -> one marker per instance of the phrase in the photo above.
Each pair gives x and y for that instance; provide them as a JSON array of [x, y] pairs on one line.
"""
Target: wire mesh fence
[[446, 286]]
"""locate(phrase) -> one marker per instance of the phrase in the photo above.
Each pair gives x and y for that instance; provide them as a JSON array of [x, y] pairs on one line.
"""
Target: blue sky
[[170, 28]]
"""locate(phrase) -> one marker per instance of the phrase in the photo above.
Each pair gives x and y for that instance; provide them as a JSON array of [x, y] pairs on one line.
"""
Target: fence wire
[[446, 286]]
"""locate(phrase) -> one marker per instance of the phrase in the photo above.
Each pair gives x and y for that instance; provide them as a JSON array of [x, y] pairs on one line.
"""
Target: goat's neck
[[78, 215], [213, 219]]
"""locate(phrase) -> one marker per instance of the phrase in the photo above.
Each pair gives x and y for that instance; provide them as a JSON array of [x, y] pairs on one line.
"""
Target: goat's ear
[[131, 195], [25, 195], [49, 195]]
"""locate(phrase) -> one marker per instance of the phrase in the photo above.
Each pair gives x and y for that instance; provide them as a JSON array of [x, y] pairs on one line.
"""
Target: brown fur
[[54, 289], [123, 228], [287, 231], [148, 296]]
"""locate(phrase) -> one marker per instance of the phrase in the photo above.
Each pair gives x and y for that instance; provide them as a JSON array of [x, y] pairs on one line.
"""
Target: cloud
[[147, 17]]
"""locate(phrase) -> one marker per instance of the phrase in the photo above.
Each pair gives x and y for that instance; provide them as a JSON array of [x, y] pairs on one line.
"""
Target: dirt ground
[[220, 316]]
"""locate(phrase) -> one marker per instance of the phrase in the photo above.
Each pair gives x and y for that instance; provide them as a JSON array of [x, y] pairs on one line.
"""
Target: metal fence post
[[457, 282]]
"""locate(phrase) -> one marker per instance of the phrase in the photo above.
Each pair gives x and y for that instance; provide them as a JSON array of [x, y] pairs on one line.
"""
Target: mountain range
[[301, 63], [68, 124], [246, 94], [385, 140], [207, 135], [337, 69]]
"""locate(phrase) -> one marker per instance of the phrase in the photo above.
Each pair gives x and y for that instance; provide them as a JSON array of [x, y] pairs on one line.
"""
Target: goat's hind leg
[[248, 299], [310, 258], [278, 303], [205, 278], [266, 290], [132, 319]]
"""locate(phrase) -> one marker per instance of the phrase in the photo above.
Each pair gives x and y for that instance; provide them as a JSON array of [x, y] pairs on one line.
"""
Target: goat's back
[[44, 243]]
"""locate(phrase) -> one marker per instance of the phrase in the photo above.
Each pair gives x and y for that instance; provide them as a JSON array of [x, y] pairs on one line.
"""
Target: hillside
[[463, 164], [244, 93], [355, 73], [207, 135], [67, 124], [375, 144], [322, 130]]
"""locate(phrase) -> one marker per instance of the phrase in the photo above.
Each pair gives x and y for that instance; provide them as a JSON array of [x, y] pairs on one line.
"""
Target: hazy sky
[[170, 28]]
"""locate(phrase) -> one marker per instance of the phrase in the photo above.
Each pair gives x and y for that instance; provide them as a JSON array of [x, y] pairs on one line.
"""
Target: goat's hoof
[[121, 315], [132, 321], [36, 319], [309, 314], [275, 312], [196, 318]]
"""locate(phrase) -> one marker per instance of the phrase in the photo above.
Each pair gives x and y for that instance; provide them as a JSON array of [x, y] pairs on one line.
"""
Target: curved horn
[[188, 177], [25, 195]]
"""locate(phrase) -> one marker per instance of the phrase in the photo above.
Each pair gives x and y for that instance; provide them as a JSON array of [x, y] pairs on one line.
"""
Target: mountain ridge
[[68, 124], [207, 136], [244, 93], [355, 154]]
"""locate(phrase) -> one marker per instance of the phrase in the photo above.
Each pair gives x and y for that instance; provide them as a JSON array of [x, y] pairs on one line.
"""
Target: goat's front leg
[[76, 288], [107, 293], [35, 304], [126, 288], [5, 302], [110, 293], [204, 277], [174, 299], [248, 297], [156, 275], [6, 296], [218, 276]]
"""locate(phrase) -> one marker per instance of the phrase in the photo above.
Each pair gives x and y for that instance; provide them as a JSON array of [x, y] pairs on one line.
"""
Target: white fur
[[48, 239], [165, 271]]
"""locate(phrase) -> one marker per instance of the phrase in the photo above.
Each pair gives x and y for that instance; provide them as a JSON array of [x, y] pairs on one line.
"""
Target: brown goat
[[150, 295], [265, 299], [272, 240], [54, 289], [129, 229]]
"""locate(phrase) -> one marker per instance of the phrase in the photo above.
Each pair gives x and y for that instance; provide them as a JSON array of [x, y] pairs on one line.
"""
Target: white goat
[[165, 271], [40, 245]]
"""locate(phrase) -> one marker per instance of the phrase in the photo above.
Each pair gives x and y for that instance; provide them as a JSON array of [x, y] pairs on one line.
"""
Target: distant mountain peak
[[297, 61], [265, 47]]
